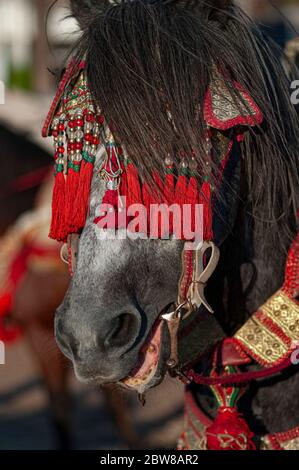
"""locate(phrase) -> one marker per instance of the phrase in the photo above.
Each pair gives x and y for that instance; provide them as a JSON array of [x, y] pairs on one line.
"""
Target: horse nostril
[[66, 342], [60, 333], [59, 327], [123, 331]]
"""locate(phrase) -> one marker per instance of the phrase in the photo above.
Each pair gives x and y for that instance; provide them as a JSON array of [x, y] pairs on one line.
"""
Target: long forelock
[[142, 58]]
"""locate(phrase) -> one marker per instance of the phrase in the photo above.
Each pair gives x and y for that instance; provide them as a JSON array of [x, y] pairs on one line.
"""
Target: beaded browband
[[79, 129]]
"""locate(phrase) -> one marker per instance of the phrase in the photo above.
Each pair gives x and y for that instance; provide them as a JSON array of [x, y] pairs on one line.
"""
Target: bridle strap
[[275, 323], [201, 275], [195, 297], [73, 247], [173, 328], [69, 252]]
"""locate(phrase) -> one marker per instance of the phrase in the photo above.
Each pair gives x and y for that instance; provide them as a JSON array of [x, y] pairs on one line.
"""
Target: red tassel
[[192, 198], [146, 199], [71, 190], [205, 200], [123, 189], [130, 187], [158, 193], [168, 193], [149, 198], [180, 190], [111, 198], [169, 188], [192, 191], [133, 186], [180, 199], [229, 431], [159, 198], [58, 227], [83, 194]]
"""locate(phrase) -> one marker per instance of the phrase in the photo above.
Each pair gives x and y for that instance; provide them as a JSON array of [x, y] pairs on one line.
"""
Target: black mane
[[143, 56]]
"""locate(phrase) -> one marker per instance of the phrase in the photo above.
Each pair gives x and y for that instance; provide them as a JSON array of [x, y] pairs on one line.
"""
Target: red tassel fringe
[[58, 229], [205, 200], [169, 189], [83, 194], [134, 195], [71, 209], [229, 431], [183, 192], [192, 199]]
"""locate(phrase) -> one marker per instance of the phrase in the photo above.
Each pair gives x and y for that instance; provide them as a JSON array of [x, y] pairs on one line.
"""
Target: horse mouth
[[147, 366]]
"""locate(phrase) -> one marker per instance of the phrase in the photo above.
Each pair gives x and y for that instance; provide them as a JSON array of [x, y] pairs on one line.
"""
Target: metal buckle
[[180, 312], [182, 376]]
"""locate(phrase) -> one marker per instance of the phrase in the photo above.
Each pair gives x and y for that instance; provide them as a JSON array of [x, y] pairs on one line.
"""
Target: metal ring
[[181, 307], [62, 256]]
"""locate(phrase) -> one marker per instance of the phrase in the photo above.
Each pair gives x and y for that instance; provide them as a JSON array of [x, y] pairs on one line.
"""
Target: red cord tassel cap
[[229, 431]]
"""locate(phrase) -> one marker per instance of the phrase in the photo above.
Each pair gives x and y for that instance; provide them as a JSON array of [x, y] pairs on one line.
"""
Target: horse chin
[[151, 368]]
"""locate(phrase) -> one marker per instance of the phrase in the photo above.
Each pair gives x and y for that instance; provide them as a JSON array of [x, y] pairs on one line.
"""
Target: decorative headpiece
[[79, 129]]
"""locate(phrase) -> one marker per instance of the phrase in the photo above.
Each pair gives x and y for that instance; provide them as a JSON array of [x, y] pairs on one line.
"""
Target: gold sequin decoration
[[264, 343], [293, 444], [290, 444], [285, 313], [225, 105]]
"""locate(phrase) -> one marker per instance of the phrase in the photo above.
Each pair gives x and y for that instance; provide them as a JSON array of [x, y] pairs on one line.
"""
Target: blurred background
[[42, 406]]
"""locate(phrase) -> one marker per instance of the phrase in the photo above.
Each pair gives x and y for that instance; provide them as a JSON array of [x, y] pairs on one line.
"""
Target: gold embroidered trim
[[285, 444], [76, 97], [264, 342], [225, 105], [285, 313], [291, 445]]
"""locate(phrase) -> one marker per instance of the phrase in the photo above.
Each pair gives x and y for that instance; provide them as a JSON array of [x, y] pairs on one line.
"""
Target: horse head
[[110, 322]]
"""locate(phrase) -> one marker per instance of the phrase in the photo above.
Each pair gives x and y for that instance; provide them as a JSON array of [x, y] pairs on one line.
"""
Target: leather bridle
[[198, 265], [196, 271]]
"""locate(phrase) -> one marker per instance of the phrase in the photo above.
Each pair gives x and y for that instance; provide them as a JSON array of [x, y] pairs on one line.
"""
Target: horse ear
[[85, 10]]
